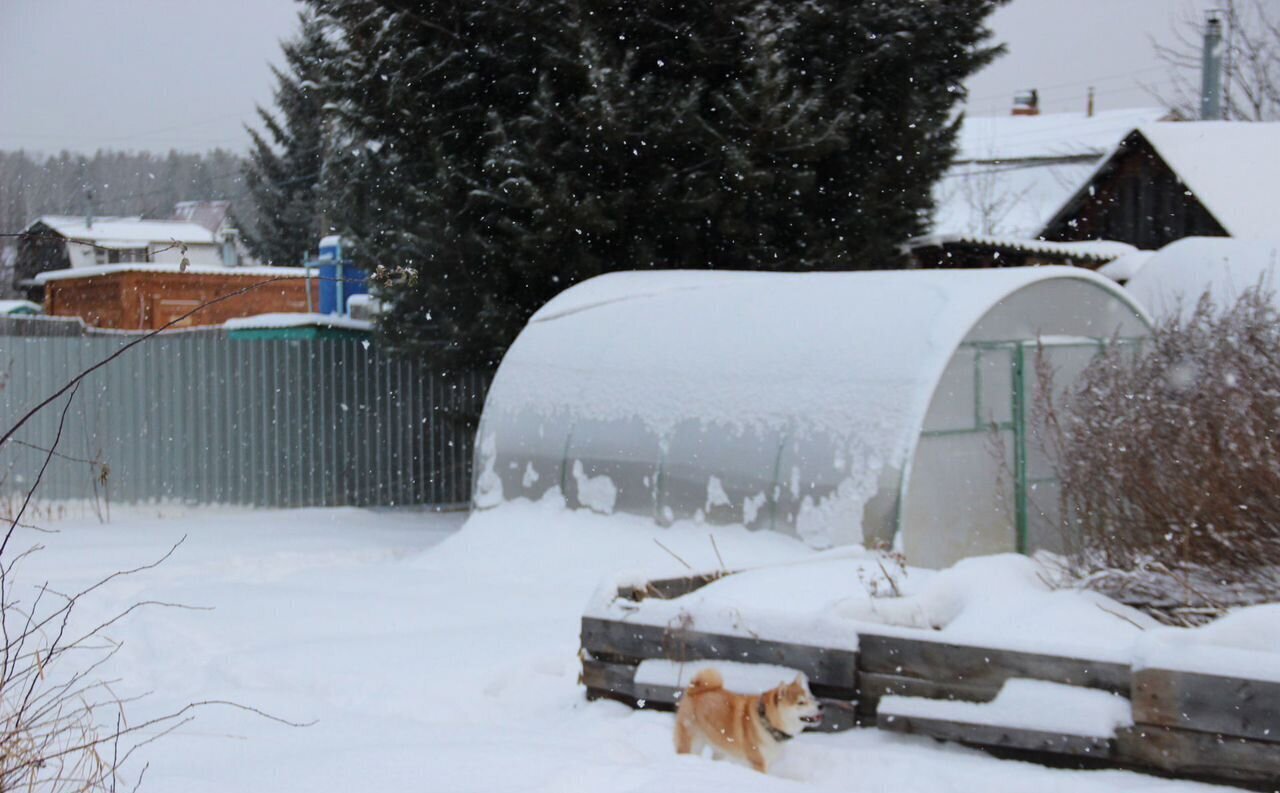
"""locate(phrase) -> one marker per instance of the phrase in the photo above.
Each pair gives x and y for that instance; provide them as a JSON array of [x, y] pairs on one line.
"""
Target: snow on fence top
[[759, 398]]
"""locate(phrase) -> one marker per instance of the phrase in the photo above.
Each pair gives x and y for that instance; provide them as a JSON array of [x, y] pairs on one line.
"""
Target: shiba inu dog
[[749, 728]]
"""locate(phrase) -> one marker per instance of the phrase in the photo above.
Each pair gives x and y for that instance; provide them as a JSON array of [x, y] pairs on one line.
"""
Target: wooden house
[[202, 232], [1011, 172], [1166, 181]]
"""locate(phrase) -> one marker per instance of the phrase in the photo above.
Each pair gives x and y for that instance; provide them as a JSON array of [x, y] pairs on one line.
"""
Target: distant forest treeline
[[122, 183]]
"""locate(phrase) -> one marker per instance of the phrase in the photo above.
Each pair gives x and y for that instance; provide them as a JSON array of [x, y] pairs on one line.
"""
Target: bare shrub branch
[[1168, 459]]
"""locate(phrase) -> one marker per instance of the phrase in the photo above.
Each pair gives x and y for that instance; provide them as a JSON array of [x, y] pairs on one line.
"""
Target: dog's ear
[[801, 680]]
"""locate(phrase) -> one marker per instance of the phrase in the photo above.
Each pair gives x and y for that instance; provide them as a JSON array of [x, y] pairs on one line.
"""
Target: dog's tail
[[707, 680]]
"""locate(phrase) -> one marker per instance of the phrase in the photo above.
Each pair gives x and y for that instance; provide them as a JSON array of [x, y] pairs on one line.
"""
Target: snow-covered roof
[[209, 214], [1014, 199], [109, 269], [296, 320], [1126, 266], [136, 232], [1086, 250], [1175, 277], [1011, 173], [19, 307], [1232, 167], [1049, 135]]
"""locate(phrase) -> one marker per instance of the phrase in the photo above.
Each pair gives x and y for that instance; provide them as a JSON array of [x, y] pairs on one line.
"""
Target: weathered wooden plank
[[835, 670], [989, 736], [1199, 754], [985, 667], [617, 681], [874, 685], [1207, 703], [670, 588], [602, 676]]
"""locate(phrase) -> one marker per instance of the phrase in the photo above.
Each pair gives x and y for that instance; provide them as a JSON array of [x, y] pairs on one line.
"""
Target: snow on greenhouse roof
[[841, 349], [1174, 277]]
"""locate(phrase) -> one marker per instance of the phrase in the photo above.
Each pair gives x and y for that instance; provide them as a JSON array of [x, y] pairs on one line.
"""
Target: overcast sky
[[156, 74]]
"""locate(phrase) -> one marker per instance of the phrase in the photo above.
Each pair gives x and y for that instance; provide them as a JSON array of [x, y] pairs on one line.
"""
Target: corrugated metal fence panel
[[199, 418]]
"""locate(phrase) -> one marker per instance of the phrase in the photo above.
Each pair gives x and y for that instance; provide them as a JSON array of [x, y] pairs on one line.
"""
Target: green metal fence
[[197, 417]]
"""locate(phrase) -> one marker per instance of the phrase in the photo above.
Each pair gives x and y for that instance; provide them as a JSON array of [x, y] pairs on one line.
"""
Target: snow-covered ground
[[435, 658]]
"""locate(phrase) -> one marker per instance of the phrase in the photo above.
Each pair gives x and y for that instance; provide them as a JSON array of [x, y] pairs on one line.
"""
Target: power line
[[1075, 83]]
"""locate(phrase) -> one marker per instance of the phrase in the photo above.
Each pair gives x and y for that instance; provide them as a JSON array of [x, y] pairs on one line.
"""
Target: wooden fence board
[[1188, 753], [1207, 703], [617, 681], [984, 667], [988, 736], [826, 667]]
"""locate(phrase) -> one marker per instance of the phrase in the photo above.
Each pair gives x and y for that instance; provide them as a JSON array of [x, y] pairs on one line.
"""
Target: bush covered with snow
[[1169, 462]]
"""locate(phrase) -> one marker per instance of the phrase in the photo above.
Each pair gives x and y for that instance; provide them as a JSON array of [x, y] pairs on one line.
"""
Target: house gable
[[1135, 196]]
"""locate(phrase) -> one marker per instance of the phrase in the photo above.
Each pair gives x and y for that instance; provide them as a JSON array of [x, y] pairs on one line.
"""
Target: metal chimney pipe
[[1211, 70]]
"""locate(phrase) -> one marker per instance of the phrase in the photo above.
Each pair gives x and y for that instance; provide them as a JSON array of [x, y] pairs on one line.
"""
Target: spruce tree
[[509, 150], [284, 167]]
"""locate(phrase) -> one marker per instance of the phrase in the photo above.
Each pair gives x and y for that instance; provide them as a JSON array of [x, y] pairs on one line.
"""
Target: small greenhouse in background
[[1169, 282], [857, 407]]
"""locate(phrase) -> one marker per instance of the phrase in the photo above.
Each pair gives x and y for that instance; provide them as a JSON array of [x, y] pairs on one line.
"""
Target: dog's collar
[[777, 734]]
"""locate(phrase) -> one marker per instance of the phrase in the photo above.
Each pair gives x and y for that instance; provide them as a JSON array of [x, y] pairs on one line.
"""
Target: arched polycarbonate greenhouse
[[860, 407]]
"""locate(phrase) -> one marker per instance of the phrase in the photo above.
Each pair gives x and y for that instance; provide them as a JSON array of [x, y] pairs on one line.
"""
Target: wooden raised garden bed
[[1215, 728]]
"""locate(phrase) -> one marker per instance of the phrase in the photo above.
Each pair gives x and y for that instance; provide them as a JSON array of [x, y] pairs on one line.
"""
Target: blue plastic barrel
[[334, 292]]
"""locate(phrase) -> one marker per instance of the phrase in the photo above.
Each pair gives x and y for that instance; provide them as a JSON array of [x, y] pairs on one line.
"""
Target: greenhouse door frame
[[1022, 355]]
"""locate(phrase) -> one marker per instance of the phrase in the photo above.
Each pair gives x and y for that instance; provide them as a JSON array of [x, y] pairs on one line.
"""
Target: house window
[[120, 255]]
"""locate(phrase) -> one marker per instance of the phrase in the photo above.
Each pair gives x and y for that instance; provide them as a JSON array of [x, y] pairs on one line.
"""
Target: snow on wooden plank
[[1035, 705], [943, 662], [1206, 703], [874, 685]]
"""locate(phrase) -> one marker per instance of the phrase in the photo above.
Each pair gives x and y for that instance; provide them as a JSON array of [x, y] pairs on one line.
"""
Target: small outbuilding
[[1169, 282], [857, 407], [149, 296]]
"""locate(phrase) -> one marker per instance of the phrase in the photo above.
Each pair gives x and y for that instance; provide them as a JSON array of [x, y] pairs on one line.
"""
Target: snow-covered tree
[[509, 150]]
